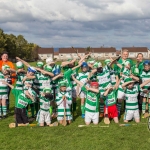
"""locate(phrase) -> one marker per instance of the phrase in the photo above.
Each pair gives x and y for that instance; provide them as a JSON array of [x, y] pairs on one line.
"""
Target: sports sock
[[101, 107], [149, 108], [119, 107], [4, 109], [36, 107], [82, 109], [143, 107], [32, 110]]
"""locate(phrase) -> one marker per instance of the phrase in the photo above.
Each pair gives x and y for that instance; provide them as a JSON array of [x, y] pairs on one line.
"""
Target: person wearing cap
[[83, 77], [131, 90], [110, 97], [63, 101], [45, 101], [22, 99], [92, 101], [90, 63], [144, 76]]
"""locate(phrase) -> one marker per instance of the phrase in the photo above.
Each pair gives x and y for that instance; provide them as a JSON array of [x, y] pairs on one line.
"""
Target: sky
[[78, 23]]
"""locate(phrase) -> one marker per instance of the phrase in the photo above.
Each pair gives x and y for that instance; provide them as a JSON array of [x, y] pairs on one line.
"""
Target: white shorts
[[120, 94], [3, 96], [43, 116], [82, 94], [67, 118], [90, 116], [130, 114]]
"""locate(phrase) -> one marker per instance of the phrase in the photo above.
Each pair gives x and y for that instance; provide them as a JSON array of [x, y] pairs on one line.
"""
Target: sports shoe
[[83, 116]]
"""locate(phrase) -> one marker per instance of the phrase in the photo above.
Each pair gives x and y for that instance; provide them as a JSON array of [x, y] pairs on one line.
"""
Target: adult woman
[[4, 61]]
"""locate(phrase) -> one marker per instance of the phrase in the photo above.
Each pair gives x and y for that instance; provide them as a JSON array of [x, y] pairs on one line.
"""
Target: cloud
[[82, 23]]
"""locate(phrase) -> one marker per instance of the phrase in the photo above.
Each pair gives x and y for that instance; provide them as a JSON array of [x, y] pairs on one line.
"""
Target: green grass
[[73, 138]]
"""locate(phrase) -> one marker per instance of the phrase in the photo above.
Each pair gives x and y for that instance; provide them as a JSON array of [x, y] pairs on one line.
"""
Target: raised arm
[[4, 82], [45, 72], [144, 83], [77, 81], [56, 77], [24, 62]]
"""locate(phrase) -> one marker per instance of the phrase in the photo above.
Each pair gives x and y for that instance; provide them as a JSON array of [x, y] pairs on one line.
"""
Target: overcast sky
[[78, 23]]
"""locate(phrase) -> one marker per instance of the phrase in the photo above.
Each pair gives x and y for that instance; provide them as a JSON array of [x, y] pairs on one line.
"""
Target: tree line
[[18, 46]]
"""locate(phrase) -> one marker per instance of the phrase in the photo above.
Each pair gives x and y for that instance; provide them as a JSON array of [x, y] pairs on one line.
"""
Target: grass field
[[71, 137]]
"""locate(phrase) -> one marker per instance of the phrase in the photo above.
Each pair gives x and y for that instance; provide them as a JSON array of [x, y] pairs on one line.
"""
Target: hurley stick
[[14, 125], [64, 122], [80, 126], [106, 119], [146, 113]]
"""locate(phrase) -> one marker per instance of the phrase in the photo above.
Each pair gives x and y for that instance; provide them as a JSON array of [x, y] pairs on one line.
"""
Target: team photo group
[[48, 92]]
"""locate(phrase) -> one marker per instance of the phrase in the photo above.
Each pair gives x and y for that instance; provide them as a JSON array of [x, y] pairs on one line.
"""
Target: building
[[118, 53], [56, 55], [133, 51], [67, 53], [103, 52], [44, 53]]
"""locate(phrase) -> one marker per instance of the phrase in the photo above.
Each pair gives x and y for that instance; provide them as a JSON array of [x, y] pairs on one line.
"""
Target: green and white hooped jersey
[[36, 82], [111, 98], [131, 97], [29, 81], [19, 84], [125, 73], [3, 87], [103, 78], [44, 81], [60, 104], [44, 104], [92, 101], [82, 77], [144, 76], [113, 74]]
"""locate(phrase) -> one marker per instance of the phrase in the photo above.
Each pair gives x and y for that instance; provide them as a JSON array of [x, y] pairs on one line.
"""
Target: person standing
[[4, 61]]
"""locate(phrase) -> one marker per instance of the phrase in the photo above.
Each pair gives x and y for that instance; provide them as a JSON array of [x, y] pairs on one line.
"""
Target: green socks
[[143, 107], [4, 109], [82, 109]]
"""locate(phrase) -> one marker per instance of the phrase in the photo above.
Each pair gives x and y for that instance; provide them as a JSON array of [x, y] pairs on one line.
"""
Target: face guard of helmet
[[5, 70], [40, 64], [146, 65], [19, 65], [47, 92], [56, 72]]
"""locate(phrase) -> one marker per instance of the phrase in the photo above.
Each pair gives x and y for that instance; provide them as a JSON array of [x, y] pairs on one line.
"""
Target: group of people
[[51, 90]]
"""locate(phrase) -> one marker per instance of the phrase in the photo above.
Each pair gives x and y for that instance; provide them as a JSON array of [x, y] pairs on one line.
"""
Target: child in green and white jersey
[[92, 101], [131, 90], [20, 74], [22, 99], [110, 98], [63, 101], [3, 92], [144, 76], [45, 102], [83, 77]]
